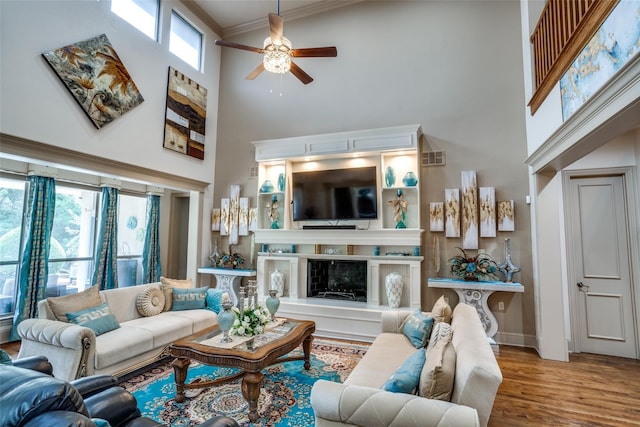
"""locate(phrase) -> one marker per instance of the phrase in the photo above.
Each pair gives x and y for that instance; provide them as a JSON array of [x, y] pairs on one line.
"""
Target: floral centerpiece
[[480, 267], [230, 260], [250, 321]]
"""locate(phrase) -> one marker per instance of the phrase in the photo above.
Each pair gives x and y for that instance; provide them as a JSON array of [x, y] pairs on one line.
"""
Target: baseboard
[[5, 331], [516, 340]]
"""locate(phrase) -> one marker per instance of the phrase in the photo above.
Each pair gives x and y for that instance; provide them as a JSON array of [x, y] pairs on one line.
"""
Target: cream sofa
[[361, 401], [75, 351]]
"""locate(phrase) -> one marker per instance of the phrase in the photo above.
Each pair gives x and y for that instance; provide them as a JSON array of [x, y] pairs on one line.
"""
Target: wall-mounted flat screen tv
[[336, 194]]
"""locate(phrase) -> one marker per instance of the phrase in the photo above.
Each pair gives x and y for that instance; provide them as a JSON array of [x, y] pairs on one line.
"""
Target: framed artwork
[[452, 212], [215, 219], [436, 216], [243, 216], [253, 219], [506, 216], [224, 216], [234, 202], [186, 114], [469, 210], [487, 203], [97, 79]]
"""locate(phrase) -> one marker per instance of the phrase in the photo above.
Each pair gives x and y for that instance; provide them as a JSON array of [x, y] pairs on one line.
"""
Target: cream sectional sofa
[[76, 351], [361, 401]]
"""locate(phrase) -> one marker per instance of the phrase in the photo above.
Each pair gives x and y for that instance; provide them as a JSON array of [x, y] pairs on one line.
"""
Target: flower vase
[[273, 303], [277, 282], [393, 284], [226, 317], [281, 182], [390, 177]]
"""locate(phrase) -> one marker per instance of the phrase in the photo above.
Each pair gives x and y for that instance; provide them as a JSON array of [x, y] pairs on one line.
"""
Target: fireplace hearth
[[337, 279]]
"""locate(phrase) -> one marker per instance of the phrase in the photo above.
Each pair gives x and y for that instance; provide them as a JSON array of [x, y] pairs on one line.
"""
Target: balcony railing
[[564, 28]]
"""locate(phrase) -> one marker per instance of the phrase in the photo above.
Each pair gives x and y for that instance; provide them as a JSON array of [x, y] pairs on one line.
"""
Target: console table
[[476, 294], [228, 279]]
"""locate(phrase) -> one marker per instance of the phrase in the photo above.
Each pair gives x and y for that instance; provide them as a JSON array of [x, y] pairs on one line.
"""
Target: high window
[[142, 14], [185, 41]]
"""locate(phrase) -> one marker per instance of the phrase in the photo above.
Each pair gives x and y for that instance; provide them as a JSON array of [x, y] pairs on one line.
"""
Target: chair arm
[[60, 418], [371, 407], [56, 333], [88, 386], [392, 320], [220, 421], [115, 405], [35, 363]]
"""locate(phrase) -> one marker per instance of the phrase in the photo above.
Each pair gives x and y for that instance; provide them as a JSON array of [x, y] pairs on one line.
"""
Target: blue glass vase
[[226, 317], [273, 303], [281, 181], [267, 187], [390, 177], [410, 179]]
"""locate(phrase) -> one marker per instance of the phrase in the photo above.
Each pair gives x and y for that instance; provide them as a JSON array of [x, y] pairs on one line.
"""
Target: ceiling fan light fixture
[[276, 56]]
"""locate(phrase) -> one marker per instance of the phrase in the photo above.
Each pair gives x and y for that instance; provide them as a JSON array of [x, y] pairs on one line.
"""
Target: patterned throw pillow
[[100, 319], [405, 379], [167, 287], [150, 302], [442, 332], [5, 359], [60, 306], [417, 327], [189, 299], [214, 299]]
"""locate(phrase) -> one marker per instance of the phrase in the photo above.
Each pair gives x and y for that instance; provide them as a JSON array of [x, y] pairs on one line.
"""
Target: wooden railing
[[564, 28]]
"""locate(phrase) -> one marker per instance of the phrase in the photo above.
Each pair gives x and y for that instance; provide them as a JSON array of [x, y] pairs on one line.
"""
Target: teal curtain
[[105, 273], [34, 269], [151, 252]]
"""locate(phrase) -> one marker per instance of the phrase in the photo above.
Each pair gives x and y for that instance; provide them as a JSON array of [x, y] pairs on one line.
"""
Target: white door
[[601, 253]]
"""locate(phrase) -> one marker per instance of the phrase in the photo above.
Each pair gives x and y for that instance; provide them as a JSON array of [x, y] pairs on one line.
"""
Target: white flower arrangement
[[251, 321]]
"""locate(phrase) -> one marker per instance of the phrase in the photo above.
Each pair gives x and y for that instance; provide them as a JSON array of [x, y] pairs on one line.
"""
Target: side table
[[477, 294], [228, 279]]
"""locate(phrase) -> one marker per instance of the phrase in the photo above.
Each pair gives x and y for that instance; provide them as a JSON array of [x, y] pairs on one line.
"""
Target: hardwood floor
[[589, 390]]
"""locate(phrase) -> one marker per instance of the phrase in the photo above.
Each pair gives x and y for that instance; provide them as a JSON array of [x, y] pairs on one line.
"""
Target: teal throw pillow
[[214, 299], [100, 319], [417, 327], [189, 299], [99, 422], [406, 378], [5, 359]]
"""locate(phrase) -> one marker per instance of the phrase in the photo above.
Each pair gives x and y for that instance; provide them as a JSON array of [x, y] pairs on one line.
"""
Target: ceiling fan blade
[[275, 28], [255, 73], [300, 74], [239, 46], [314, 52]]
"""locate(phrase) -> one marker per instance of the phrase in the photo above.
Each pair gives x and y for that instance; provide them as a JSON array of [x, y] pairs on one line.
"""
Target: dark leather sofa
[[31, 397]]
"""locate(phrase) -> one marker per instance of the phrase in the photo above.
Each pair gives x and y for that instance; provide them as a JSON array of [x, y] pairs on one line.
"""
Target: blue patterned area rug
[[284, 395]]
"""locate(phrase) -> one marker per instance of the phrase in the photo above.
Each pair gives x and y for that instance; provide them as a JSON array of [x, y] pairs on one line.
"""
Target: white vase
[[277, 282], [393, 283]]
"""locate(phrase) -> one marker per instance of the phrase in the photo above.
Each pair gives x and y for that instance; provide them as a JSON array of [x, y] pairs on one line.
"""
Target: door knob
[[582, 286]]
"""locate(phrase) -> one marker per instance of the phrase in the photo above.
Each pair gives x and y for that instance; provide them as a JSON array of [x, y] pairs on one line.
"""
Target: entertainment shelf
[[287, 247]]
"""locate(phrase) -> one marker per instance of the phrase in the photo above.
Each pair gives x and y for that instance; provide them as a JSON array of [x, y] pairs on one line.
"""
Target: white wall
[[453, 67], [37, 106]]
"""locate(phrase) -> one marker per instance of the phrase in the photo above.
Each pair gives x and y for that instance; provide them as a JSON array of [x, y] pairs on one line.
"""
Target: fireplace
[[337, 279]]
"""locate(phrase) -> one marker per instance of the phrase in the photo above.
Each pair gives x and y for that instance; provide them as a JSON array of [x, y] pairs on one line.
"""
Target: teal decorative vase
[[410, 179], [390, 177], [273, 303], [226, 317], [267, 187], [281, 181]]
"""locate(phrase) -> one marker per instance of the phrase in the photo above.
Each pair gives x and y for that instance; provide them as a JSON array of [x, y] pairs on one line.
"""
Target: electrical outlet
[[501, 306]]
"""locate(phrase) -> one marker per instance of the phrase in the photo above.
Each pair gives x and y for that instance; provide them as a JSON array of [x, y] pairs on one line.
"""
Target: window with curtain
[[131, 233], [11, 210]]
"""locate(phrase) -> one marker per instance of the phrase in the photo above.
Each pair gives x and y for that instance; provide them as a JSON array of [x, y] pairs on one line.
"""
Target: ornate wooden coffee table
[[250, 357]]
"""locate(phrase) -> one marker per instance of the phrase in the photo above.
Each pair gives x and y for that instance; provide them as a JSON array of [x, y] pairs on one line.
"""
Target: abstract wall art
[[224, 216], [186, 115], [234, 208], [215, 219], [487, 196], [452, 212], [243, 216], [469, 210], [506, 216], [436, 216], [97, 79]]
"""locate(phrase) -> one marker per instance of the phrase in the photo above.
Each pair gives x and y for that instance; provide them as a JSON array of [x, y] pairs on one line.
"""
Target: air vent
[[253, 172], [433, 158]]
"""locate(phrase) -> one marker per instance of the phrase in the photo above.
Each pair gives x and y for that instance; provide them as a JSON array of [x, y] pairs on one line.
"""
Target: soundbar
[[328, 227]]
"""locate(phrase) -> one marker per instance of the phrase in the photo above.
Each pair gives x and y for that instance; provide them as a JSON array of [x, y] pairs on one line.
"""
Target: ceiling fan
[[278, 52]]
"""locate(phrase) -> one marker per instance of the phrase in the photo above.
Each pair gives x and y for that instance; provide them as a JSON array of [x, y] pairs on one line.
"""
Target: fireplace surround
[[337, 279]]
